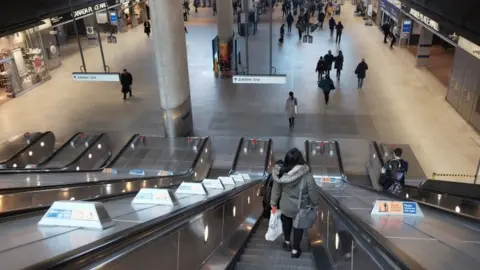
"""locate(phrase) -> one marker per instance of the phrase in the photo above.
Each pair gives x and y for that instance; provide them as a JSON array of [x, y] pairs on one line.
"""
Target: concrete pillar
[[423, 49], [225, 20], [91, 30], [170, 51]]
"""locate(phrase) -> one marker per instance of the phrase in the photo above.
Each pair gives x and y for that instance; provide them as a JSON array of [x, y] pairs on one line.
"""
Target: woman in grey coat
[[290, 108], [288, 180]]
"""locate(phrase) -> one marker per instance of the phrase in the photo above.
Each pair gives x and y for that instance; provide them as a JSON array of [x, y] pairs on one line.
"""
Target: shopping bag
[[274, 226]]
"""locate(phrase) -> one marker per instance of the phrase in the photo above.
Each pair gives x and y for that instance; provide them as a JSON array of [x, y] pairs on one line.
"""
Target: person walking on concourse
[[331, 24], [291, 108], [292, 179], [290, 20], [147, 28], [328, 61], [339, 32], [361, 72], [320, 69], [126, 80], [326, 85], [339, 64]]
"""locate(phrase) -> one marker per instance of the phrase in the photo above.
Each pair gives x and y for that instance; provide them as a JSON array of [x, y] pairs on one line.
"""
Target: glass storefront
[[22, 62]]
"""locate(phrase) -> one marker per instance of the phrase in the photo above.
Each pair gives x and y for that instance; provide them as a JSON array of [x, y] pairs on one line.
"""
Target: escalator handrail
[[21, 151], [379, 155], [124, 148], [60, 170], [163, 224], [237, 155], [307, 153], [340, 161], [190, 171], [59, 149], [436, 207], [267, 157], [90, 146], [400, 258]]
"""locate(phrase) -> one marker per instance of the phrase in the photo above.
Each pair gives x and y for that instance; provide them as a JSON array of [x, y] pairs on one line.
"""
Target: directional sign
[[95, 77], [400, 208], [259, 79]]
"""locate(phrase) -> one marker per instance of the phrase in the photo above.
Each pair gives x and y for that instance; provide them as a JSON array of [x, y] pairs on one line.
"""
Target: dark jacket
[[290, 18], [328, 60], [321, 16], [126, 79], [282, 30], [321, 66], [332, 23], [361, 70], [146, 26], [339, 28], [339, 62], [327, 85], [287, 188]]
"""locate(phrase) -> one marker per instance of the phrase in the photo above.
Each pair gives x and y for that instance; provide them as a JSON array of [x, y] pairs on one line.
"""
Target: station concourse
[[175, 177], [399, 103]]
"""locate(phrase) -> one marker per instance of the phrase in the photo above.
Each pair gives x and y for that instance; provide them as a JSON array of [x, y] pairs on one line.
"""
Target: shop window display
[[22, 62]]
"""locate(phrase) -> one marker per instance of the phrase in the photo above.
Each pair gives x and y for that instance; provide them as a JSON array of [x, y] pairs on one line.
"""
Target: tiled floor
[[399, 103]]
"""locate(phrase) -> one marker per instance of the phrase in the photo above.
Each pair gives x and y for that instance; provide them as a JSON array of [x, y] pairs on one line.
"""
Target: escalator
[[24, 149], [258, 253]]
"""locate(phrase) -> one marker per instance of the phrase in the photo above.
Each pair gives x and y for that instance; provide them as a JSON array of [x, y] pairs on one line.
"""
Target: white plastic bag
[[274, 226]]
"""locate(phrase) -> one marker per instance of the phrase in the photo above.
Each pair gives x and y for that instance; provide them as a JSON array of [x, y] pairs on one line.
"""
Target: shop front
[[464, 88], [389, 12], [430, 41], [107, 18], [23, 62]]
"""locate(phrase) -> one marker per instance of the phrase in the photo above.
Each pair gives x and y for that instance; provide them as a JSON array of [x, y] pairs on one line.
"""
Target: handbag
[[307, 216]]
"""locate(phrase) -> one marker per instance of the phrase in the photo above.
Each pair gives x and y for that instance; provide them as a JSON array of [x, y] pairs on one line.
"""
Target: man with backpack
[[394, 171]]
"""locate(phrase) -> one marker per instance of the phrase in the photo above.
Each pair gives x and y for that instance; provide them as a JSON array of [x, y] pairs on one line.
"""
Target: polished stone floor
[[399, 103]]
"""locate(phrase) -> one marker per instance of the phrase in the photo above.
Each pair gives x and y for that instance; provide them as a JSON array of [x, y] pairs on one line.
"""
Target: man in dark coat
[[290, 20], [321, 18], [361, 72], [332, 24], [386, 31], [328, 61], [339, 32], [320, 69], [126, 79]]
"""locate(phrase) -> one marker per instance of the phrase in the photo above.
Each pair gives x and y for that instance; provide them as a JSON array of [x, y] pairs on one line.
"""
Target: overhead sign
[[95, 77], [469, 46], [259, 79], [426, 20], [387, 208]]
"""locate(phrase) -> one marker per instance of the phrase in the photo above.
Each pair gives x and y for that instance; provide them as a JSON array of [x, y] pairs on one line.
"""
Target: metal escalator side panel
[[59, 150], [94, 156], [39, 149], [125, 147], [15, 144]]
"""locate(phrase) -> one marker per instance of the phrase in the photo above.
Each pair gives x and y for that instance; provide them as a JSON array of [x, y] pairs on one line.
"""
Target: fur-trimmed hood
[[294, 174]]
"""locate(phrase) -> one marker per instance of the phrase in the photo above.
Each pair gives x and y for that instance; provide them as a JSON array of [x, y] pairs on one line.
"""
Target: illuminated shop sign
[[426, 20], [79, 13]]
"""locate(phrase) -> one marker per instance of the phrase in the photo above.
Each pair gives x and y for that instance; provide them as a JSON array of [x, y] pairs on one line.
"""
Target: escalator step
[[273, 253], [253, 266], [281, 259]]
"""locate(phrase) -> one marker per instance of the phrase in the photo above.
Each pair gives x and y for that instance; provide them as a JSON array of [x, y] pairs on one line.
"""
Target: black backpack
[[267, 195]]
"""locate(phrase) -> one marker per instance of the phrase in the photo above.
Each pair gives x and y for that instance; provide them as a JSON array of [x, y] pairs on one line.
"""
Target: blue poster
[[406, 26], [409, 208], [113, 17]]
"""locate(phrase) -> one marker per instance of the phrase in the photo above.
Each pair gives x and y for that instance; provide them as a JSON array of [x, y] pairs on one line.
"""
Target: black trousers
[[287, 226], [291, 121], [385, 37], [339, 71], [321, 24], [339, 37], [331, 32], [299, 34], [289, 28], [326, 95], [128, 92], [394, 39]]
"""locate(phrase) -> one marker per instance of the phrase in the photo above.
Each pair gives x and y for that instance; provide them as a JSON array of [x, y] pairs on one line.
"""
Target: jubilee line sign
[[259, 79]]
